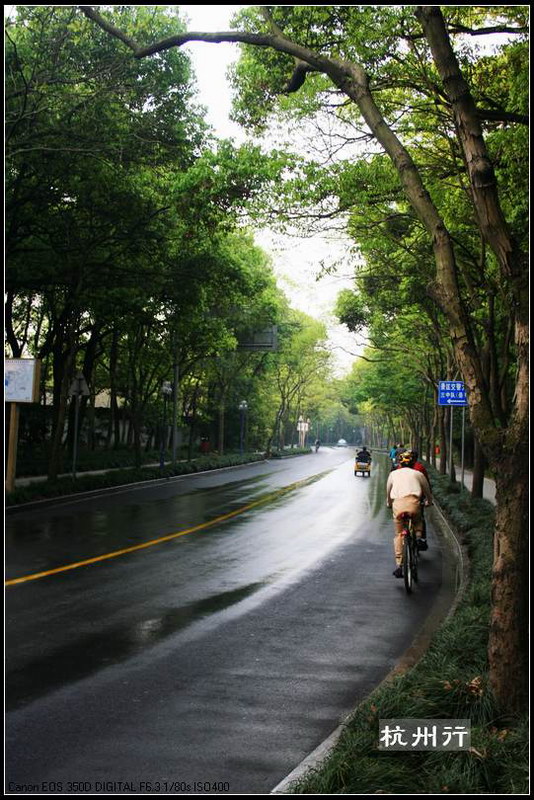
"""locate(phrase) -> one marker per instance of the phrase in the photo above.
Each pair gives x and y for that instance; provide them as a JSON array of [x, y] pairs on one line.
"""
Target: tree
[[121, 214], [84, 138], [298, 370], [331, 48]]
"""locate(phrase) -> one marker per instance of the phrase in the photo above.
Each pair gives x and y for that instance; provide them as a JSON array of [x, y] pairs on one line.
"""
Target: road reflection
[[108, 647]]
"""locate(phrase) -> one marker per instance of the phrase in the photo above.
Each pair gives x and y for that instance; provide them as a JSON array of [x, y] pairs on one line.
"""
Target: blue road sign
[[452, 393]]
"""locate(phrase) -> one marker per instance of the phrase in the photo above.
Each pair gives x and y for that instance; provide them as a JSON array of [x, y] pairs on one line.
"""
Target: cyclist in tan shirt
[[406, 488]]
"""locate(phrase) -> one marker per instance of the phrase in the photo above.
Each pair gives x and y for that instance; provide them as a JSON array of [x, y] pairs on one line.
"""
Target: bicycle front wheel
[[408, 564]]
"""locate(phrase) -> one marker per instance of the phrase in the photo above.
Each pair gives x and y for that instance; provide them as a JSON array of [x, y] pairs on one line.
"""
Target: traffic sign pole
[[451, 394], [463, 448], [450, 442]]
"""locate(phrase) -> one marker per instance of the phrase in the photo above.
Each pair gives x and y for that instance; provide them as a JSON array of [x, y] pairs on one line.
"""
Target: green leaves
[[351, 311]]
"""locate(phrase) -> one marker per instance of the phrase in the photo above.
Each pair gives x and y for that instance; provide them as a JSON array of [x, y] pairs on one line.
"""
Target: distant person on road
[[317, 444], [406, 489], [393, 455], [363, 456]]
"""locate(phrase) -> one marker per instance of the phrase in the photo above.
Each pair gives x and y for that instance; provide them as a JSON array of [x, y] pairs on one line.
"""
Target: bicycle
[[410, 553]]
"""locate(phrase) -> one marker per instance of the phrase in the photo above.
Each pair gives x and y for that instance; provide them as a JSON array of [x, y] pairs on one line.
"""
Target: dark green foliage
[[125, 241], [34, 461]]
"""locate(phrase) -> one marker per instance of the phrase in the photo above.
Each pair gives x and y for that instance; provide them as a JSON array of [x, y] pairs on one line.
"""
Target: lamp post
[[77, 389], [303, 426], [243, 406], [166, 391]]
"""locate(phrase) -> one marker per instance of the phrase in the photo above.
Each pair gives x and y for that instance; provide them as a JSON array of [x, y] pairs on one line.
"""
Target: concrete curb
[[455, 577]]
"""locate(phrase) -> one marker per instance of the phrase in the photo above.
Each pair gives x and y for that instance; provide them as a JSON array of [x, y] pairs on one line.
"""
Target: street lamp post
[[166, 391], [77, 389], [243, 406], [303, 427], [176, 370]]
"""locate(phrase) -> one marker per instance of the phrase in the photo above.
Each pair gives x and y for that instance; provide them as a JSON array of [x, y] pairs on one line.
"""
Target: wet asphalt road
[[211, 662]]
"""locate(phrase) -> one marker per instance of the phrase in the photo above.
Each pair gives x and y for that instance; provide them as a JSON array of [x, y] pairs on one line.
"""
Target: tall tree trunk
[[87, 402], [479, 468], [114, 424], [508, 639], [136, 427], [504, 448], [443, 446], [433, 443], [54, 463], [16, 349], [63, 361], [220, 443]]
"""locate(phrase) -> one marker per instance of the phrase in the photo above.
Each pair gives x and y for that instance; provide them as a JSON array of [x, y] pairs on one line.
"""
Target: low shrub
[[35, 462], [85, 483], [294, 451]]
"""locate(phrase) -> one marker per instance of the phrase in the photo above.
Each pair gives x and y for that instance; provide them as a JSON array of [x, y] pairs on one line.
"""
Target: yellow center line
[[35, 576]]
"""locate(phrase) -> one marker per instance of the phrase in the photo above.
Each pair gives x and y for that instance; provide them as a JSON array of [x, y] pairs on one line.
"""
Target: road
[[214, 660]]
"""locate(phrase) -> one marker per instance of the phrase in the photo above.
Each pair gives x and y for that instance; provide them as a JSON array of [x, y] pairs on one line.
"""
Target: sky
[[296, 261]]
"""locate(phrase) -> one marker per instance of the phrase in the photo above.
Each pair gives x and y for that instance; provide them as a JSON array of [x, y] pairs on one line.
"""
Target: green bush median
[[289, 452], [43, 490], [449, 682]]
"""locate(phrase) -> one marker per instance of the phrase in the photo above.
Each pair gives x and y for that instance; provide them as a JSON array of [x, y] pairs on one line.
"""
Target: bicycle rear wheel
[[407, 563]]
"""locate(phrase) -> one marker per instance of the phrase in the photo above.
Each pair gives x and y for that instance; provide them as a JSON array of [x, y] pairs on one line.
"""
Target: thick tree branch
[[456, 28], [502, 116], [276, 40], [179, 39]]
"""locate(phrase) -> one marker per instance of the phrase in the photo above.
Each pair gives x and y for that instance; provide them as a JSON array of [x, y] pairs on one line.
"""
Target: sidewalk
[[489, 483], [489, 486]]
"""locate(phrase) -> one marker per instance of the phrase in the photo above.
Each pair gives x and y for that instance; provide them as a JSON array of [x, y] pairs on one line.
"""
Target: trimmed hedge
[[65, 486], [294, 451], [36, 462]]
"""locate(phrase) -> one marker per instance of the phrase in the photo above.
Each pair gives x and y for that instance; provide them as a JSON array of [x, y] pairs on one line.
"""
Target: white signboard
[[266, 339], [21, 380]]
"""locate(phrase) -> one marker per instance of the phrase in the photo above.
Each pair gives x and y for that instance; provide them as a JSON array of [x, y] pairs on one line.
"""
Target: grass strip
[[449, 682]]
